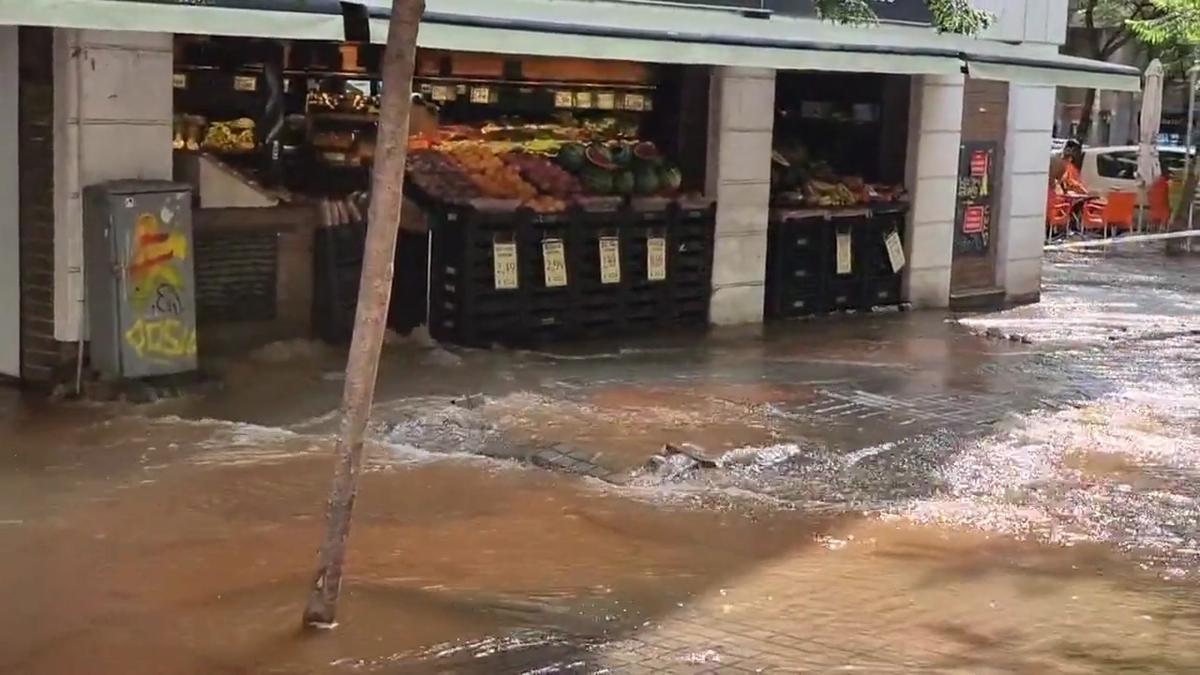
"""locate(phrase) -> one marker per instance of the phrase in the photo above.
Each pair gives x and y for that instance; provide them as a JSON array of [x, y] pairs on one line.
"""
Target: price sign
[[656, 259], [245, 83], [844, 253], [610, 260], [895, 250], [634, 102], [441, 92], [481, 95], [554, 263], [504, 264], [179, 80], [973, 219], [606, 100], [564, 99], [583, 99]]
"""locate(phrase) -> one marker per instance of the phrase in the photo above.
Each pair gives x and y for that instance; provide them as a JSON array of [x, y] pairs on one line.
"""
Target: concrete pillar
[[10, 227], [741, 124], [112, 119], [935, 132], [1024, 181]]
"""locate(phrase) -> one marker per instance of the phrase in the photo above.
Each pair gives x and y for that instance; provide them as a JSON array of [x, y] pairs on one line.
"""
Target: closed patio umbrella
[[1148, 123]]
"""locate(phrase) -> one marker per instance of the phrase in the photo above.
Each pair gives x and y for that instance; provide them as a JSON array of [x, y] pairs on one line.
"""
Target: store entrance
[[838, 205], [985, 121]]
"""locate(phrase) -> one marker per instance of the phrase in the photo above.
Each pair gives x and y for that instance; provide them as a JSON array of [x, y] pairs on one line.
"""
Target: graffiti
[[153, 267], [161, 338]]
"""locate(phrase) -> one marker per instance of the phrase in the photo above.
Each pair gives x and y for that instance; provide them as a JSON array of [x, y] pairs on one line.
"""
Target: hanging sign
[[554, 263], [895, 250], [974, 218], [504, 264], [844, 253], [656, 259], [245, 83], [610, 260]]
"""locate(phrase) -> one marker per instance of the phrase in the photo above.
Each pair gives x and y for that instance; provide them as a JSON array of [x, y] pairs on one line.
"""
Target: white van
[[1115, 168]]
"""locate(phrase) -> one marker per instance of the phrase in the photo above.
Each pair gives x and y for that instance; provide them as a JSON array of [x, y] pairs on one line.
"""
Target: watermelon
[[646, 181], [670, 178], [646, 152], [596, 181], [572, 157], [599, 156], [622, 155], [624, 182]]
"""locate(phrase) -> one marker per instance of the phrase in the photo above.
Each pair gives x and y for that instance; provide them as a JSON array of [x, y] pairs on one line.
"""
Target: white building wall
[[1023, 191], [935, 132], [113, 120], [10, 232], [741, 126]]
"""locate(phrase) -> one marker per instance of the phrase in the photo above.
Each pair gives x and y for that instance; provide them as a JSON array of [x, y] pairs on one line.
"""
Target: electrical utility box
[[138, 265]]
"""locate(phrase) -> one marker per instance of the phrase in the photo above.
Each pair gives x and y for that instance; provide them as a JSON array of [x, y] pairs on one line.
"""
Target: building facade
[[90, 84]]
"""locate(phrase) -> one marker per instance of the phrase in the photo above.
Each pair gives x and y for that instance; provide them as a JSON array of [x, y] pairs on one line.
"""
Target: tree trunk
[[1085, 116], [375, 290]]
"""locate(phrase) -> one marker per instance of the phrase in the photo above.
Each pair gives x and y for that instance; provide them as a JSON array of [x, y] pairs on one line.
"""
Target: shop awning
[[289, 19], [601, 30], [1057, 70]]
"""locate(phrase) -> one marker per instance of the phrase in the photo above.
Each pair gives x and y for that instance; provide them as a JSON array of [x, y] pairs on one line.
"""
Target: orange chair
[[1114, 214], [1160, 202], [1058, 214]]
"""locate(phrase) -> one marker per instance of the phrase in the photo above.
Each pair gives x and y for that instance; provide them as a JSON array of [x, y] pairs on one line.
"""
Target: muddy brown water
[[894, 494]]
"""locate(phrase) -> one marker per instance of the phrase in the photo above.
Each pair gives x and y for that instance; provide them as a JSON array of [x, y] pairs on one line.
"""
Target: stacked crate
[[803, 275], [466, 307]]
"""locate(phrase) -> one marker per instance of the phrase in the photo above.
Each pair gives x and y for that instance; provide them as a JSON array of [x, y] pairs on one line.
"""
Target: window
[[1120, 164]]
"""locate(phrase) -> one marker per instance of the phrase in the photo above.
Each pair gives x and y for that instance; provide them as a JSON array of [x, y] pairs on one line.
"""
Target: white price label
[[179, 80], [564, 99], [844, 253], [481, 95], [583, 99], [610, 260], [245, 83], [656, 259], [606, 100], [895, 250], [504, 264], [554, 263], [635, 102], [441, 92]]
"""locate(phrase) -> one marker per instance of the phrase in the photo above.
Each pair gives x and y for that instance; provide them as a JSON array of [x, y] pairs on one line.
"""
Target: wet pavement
[[899, 492]]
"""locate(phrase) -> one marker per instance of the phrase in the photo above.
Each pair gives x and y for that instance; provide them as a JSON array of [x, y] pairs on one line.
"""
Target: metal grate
[[236, 276]]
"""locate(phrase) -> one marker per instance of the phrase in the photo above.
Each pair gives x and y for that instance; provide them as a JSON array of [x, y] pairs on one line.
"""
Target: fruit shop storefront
[[636, 160]]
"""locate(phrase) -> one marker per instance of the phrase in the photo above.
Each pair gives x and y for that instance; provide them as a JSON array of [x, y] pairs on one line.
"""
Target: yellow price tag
[[245, 83], [481, 95], [656, 259], [554, 263], [504, 264], [895, 250], [564, 99], [635, 102], [179, 80], [606, 100], [610, 260], [441, 92], [583, 99], [844, 253]]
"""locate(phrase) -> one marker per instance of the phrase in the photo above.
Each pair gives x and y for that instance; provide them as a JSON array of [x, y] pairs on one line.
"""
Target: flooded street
[[1016, 492]]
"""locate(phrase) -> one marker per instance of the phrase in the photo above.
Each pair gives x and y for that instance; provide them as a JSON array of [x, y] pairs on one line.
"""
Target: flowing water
[[1013, 492]]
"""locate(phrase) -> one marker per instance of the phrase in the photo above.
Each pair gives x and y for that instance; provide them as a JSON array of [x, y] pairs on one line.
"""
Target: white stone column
[[113, 103], [935, 133], [1023, 185], [741, 124]]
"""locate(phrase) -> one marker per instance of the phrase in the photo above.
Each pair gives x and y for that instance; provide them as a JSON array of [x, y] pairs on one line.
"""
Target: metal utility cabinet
[[139, 271]]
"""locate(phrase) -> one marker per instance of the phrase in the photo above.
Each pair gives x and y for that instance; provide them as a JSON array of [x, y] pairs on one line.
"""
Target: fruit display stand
[[834, 259], [518, 277]]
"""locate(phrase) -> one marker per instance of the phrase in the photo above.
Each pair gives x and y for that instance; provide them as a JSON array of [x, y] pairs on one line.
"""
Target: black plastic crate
[[844, 294], [882, 292]]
